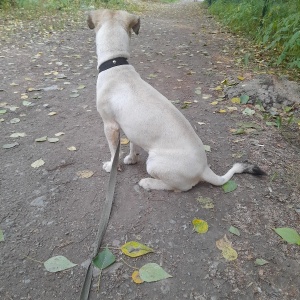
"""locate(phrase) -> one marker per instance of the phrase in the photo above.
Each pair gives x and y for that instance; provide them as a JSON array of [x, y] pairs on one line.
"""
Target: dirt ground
[[51, 210]]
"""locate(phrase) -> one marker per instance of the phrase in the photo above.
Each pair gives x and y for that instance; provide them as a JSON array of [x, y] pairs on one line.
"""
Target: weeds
[[275, 24]]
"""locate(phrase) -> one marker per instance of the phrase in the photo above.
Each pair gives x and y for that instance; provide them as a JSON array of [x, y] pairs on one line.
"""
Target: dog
[[176, 156]]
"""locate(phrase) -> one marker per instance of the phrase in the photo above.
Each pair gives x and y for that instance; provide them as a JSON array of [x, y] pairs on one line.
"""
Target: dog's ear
[[94, 17], [90, 20], [134, 23]]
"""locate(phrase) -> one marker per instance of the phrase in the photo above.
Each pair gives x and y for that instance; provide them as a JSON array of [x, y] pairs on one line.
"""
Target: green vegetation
[[51, 15], [274, 24]]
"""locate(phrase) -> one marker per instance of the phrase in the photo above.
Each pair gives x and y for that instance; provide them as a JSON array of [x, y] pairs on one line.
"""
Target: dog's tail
[[244, 167]]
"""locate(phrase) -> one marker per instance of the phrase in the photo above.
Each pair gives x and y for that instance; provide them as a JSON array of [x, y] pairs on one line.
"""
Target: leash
[[85, 291]]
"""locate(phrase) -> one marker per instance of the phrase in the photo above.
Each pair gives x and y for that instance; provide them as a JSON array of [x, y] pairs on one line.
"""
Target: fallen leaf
[[222, 111], [214, 103], [52, 113], [53, 140], [206, 96], [260, 262], [59, 133], [241, 78], [227, 251], [207, 148], [57, 264], [85, 174], [81, 86], [249, 112], [231, 109], [14, 120], [289, 235], [1, 236], [205, 202], [27, 103], [234, 230], [8, 146], [201, 123], [136, 277], [72, 148], [135, 249], [200, 226], [236, 100], [17, 134], [124, 141], [152, 272], [38, 163], [244, 99], [229, 186], [75, 95], [2, 111], [104, 259], [41, 139]]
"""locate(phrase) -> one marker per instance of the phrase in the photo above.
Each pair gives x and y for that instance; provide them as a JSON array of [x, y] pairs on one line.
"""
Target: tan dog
[[177, 159]]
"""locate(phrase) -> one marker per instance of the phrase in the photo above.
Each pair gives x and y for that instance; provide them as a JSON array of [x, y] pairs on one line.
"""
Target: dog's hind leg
[[154, 184]]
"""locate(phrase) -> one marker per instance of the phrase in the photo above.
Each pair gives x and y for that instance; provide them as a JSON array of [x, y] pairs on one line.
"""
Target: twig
[[99, 281], [135, 268]]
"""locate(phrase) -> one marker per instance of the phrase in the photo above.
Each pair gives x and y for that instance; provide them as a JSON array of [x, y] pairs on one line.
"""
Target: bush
[[273, 23]]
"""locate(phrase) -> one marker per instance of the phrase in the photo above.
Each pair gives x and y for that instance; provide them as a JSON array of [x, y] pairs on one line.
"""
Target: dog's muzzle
[[118, 61]]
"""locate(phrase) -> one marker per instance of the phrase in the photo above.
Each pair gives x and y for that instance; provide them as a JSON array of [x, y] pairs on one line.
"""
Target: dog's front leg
[[111, 131], [132, 157]]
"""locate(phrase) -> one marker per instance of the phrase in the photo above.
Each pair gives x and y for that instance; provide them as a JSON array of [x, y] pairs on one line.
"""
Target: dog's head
[[129, 21]]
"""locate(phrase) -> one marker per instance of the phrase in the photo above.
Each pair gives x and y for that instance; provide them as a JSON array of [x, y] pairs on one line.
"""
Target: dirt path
[[50, 210]]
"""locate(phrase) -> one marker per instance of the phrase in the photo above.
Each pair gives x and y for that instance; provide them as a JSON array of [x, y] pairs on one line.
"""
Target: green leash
[[85, 291]]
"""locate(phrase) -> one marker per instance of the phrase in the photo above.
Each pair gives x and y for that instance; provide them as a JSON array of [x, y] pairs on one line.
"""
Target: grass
[[52, 15], [275, 26]]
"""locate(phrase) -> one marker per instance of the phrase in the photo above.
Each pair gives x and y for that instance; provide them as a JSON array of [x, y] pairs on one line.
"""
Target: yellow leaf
[[236, 100], [24, 96], [38, 163], [231, 109], [222, 111], [124, 141], [241, 78], [200, 225], [85, 174], [52, 113], [218, 88], [135, 249], [227, 251], [136, 277], [214, 103], [72, 148]]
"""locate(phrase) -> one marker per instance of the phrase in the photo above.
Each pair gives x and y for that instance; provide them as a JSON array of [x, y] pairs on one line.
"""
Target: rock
[[270, 91]]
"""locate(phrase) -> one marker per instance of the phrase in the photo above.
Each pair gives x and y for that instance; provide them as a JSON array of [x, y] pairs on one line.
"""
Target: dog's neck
[[112, 41]]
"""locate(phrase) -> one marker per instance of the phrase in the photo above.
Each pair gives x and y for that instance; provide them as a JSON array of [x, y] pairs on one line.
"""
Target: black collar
[[118, 61]]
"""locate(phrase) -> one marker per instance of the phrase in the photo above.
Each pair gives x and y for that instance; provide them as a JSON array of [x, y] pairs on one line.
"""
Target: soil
[[51, 210]]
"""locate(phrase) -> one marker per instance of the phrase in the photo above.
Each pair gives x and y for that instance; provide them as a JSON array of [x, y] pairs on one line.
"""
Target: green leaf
[[104, 259], [2, 111], [57, 264], [1, 236], [153, 272], [234, 230], [289, 235], [244, 99], [260, 262], [229, 186], [41, 139], [8, 146], [135, 249], [53, 140], [249, 112]]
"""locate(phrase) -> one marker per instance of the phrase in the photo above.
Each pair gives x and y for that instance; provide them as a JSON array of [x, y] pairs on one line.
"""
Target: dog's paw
[[145, 184], [107, 166], [130, 160]]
